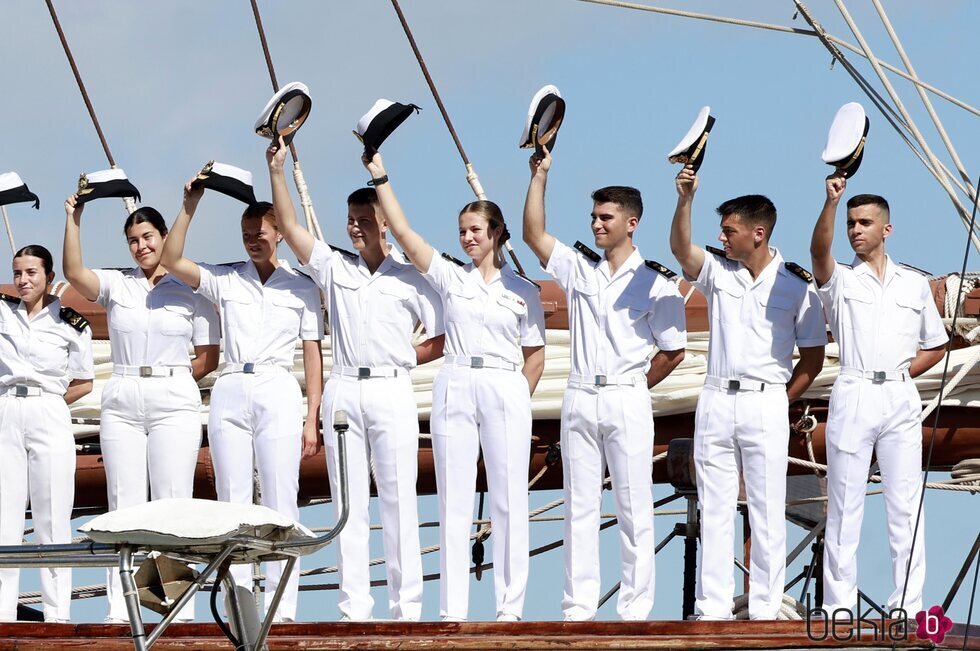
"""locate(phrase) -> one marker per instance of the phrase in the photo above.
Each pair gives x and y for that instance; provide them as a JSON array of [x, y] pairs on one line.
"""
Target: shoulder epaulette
[[660, 269], [344, 252], [231, 264], [526, 279], [301, 273], [716, 251], [73, 318], [916, 269], [844, 264], [452, 259], [799, 272], [10, 299], [588, 253]]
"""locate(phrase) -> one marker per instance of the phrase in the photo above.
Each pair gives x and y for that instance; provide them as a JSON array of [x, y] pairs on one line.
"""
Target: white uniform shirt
[[755, 323], [260, 323], [616, 321], [880, 326], [372, 316], [154, 326], [494, 319], [44, 352]]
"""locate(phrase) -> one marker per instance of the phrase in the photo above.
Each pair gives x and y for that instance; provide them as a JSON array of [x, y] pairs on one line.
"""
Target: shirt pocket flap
[[286, 299], [729, 287], [395, 290], [462, 291], [855, 294], [912, 302], [777, 302], [513, 303], [179, 309]]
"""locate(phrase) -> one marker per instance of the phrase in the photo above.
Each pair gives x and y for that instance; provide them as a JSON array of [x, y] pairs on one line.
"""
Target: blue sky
[[179, 83]]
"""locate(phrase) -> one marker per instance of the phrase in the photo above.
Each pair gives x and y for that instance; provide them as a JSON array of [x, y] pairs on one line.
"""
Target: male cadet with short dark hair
[[888, 329], [375, 298], [759, 308], [619, 308]]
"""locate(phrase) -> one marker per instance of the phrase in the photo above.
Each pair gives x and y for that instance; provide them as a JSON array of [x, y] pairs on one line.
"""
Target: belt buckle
[[20, 391], [476, 362], [878, 377], [248, 367], [600, 381], [146, 371], [734, 385], [363, 372]]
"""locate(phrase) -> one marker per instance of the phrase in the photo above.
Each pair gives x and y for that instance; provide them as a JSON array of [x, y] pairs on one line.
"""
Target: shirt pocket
[[728, 296], [124, 314], [780, 313], [462, 305], [908, 314], [858, 308], [176, 320], [287, 313], [394, 304], [49, 353]]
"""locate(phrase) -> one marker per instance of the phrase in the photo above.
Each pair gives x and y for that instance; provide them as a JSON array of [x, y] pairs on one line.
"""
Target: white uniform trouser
[[150, 435], [610, 427], [258, 418], [745, 431], [884, 418], [37, 460], [488, 408], [383, 440]]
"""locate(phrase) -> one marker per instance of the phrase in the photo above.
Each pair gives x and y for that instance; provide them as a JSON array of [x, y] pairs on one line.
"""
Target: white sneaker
[[508, 617]]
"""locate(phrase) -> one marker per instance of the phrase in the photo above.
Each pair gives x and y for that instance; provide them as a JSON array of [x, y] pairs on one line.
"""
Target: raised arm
[[172, 257], [298, 238], [690, 256], [416, 248], [823, 232], [536, 237], [81, 277]]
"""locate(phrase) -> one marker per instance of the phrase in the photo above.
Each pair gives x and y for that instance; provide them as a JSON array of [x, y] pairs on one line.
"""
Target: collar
[[770, 269], [861, 267], [630, 264]]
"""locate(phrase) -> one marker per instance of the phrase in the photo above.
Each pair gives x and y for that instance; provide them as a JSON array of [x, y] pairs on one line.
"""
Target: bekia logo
[[932, 625], [843, 626]]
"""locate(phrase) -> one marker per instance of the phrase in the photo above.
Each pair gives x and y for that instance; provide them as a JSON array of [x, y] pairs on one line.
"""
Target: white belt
[[22, 391], [876, 376], [250, 368], [481, 362], [733, 384], [366, 372], [631, 379], [150, 371]]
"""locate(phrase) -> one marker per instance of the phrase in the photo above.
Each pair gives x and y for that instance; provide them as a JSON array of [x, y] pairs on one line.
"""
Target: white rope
[[312, 224]]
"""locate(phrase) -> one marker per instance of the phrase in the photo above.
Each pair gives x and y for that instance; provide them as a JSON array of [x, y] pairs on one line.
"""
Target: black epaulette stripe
[[452, 259], [230, 264], [716, 251], [308, 276], [799, 272], [588, 253], [844, 264], [921, 271], [73, 318], [10, 299], [523, 277], [660, 269], [337, 249]]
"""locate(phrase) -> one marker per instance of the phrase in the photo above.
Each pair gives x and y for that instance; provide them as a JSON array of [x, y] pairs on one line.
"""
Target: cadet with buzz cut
[[759, 308], [886, 324], [620, 308]]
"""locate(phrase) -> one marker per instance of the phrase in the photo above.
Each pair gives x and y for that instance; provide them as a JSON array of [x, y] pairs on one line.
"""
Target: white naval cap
[[846, 138], [105, 183], [227, 179], [285, 113], [544, 118], [690, 150], [14, 190], [376, 125]]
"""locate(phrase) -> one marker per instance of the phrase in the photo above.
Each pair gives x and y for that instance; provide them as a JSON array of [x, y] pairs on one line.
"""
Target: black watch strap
[[380, 181]]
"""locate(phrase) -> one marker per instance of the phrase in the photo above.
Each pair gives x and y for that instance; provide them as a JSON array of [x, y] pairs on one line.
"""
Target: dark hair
[[261, 210], [363, 197], [627, 197], [492, 213], [146, 215], [753, 209], [859, 200], [38, 251]]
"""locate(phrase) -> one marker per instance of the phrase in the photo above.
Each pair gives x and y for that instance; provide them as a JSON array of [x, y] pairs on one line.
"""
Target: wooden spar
[[128, 202], [10, 233], [312, 224], [471, 176]]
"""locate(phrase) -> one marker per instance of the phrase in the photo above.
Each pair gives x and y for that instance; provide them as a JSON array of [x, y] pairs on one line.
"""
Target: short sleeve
[[108, 281], [320, 263], [205, 323], [563, 265], [830, 293], [430, 309], [667, 320], [80, 366], [709, 270], [211, 281], [440, 273], [532, 326], [811, 329], [932, 332], [311, 321]]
